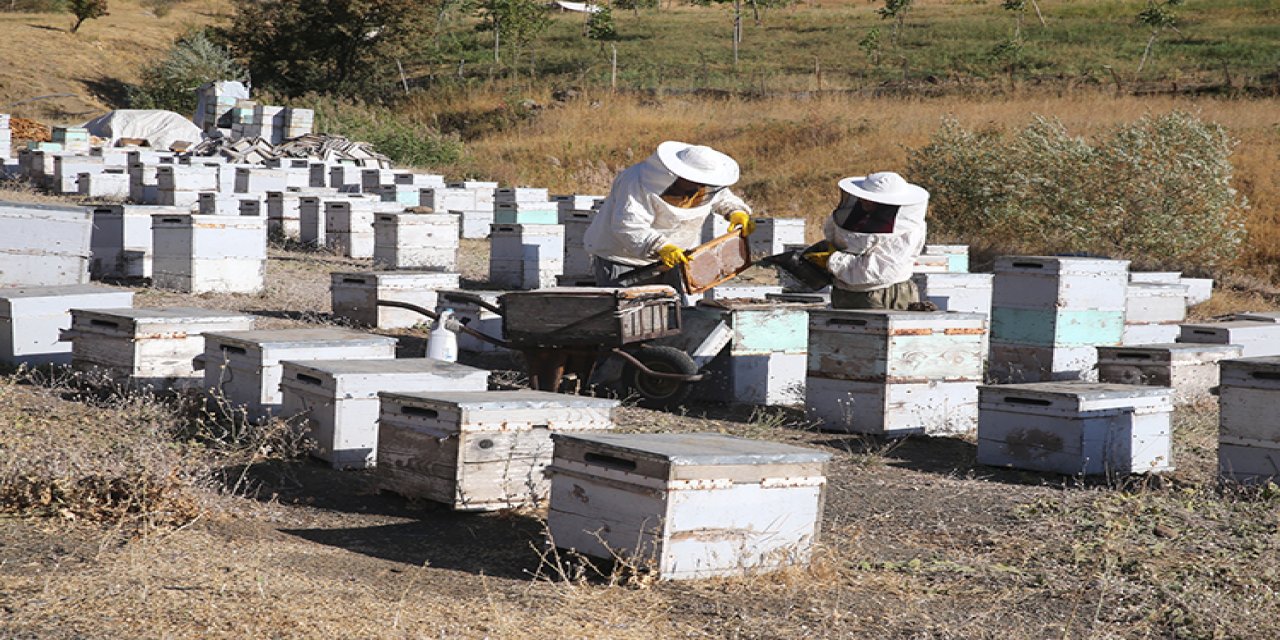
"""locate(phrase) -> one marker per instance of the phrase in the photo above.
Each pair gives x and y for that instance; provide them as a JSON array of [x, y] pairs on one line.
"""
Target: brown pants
[[895, 296]]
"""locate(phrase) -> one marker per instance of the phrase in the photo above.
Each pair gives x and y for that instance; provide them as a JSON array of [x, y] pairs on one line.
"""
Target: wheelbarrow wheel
[[660, 393]]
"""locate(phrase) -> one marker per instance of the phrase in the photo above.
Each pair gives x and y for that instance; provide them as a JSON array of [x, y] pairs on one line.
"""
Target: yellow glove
[[820, 258], [741, 220], [672, 256]]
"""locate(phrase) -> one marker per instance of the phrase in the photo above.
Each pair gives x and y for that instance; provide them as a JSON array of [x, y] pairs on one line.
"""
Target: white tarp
[[160, 128], [578, 7]]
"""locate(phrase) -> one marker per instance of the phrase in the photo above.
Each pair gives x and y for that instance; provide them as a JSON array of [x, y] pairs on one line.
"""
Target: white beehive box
[[1152, 303], [892, 408], [525, 213], [1085, 428], [242, 368], [1255, 338], [372, 180], [284, 214], [409, 240], [576, 202], [340, 399], [575, 222], [346, 177], [174, 177], [957, 255], [525, 256], [1198, 290], [674, 503], [964, 292], [764, 360], [773, 235], [32, 319], [475, 224], [1191, 370], [348, 224], [44, 245], [1156, 277], [931, 264], [117, 228], [404, 195], [260, 180], [318, 174], [108, 185], [896, 346], [143, 185], [1140, 334], [209, 254], [354, 296], [1060, 302], [67, 170], [446, 199], [476, 185], [216, 203], [149, 346], [522, 195], [741, 292], [479, 450], [474, 316], [418, 181], [1248, 433]]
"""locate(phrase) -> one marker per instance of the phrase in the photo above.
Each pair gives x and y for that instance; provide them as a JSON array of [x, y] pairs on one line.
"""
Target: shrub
[[600, 26], [86, 10], [1156, 191], [170, 83], [405, 141]]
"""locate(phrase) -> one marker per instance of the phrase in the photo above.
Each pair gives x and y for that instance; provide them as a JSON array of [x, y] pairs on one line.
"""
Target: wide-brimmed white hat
[[885, 187], [699, 164]]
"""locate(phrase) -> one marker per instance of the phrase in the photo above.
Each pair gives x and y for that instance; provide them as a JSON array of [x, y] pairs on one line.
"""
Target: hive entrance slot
[[104, 323], [1267, 375], [302, 377], [1030, 401], [420, 411], [1028, 265], [1133, 356], [234, 349], [612, 462]]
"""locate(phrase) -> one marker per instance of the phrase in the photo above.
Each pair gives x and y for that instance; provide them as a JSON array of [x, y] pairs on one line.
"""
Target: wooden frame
[[716, 261]]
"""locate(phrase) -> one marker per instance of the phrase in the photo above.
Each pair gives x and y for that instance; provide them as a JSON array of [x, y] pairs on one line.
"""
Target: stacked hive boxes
[[522, 205], [1255, 338], [258, 180], [1190, 369], [6, 138], [965, 292], [1153, 312], [676, 504], [410, 240], [476, 222], [180, 185], [525, 256], [1076, 427], [147, 347], [209, 254], [119, 229], [110, 184], [348, 224], [340, 399], [72, 139], [67, 170], [895, 372], [1049, 314], [577, 263], [1248, 436], [765, 360], [479, 450], [298, 122], [773, 235], [243, 372], [44, 244], [355, 295], [957, 256], [346, 177], [32, 319]]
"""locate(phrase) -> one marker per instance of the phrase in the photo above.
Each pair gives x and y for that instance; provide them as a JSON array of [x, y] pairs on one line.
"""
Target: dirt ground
[[918, 541]]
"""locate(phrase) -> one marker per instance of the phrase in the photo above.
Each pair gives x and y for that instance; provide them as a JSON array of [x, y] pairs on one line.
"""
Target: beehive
[[590, 316], [895, 372], [149, 346], [774, 235], [44, 245], [1198, 290], [479, 450], [964, 292], [957, 255], [143, 186], [1048, 312], [1153, 312], [1248, 433], [117, 228], [1190, 369], [521, 194], [348, 225], [354, 296], [576, 202], [108, 185], [260, 180], [340, 399], [408, 240], [242, 368], [32, 319], [741, 292], [673, 503], [345, 177], [764, 360], [1076, 427], [523, 213], [525, 256], [577, 261], [1255, 338], [67, 170], [209, 254]]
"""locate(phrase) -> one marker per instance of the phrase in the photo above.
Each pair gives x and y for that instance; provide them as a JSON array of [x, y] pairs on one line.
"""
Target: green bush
[[601, 26], [170, 82], [405, 141], [1156, 191]]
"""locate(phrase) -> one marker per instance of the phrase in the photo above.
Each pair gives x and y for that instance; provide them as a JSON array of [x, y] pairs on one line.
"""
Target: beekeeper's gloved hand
[[672, 256], [820, 258], [742, 220]]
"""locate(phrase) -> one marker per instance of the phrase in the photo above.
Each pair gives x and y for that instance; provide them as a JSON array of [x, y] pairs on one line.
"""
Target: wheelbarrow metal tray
[[590, 316]]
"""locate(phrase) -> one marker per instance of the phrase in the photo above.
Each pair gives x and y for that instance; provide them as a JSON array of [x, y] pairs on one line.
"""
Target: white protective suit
[[870, 261], [634, 221]]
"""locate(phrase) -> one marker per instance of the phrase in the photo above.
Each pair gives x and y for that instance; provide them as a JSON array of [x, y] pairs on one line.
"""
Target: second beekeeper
[[656, 209]]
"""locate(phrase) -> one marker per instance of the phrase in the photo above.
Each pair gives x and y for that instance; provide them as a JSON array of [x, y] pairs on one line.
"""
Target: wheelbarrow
[[575, 331]]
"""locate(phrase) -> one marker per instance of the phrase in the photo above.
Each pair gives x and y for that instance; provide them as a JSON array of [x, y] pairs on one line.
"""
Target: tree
[[170, 83], [1158, 16], [600, 25], [350, 47], [86, 10], [515, 22], [897, 10]]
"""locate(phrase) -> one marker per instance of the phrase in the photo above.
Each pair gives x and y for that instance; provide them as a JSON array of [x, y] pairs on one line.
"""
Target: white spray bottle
[[443, 343]]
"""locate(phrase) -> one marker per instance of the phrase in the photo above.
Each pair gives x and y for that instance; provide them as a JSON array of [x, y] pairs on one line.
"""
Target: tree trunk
[[1147, 51], [737, 30]]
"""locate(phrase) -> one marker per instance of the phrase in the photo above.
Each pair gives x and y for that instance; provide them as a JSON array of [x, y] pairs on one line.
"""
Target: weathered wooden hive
[[1248, 430], [354, 296], [32, 319], [1255, 338], [209, 254], [1153, 312], [1190, 369], [964, 292], [44, 245], [525, 256], [407, 240]]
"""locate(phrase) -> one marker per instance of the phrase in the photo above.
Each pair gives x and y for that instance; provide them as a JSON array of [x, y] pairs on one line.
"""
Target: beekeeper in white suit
[[656, 209], [873, 239]]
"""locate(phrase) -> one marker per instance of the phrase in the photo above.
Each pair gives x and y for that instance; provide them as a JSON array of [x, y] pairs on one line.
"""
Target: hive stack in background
[[525, 256], [1248, 435]]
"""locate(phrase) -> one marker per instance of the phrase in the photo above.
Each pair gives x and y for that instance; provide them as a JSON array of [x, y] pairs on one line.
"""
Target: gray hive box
[[1076, 427], [479, 450], [42, 245], [409, 240], [1190, 369], [32, 319], [687, 505], [340, 399], [1255, 338], [243, 367], [147, 346], [1248, 430], [354, 296]]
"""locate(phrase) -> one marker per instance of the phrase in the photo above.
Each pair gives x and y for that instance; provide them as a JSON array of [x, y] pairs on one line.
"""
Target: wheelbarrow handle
[[435, 316], [463, 296]]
